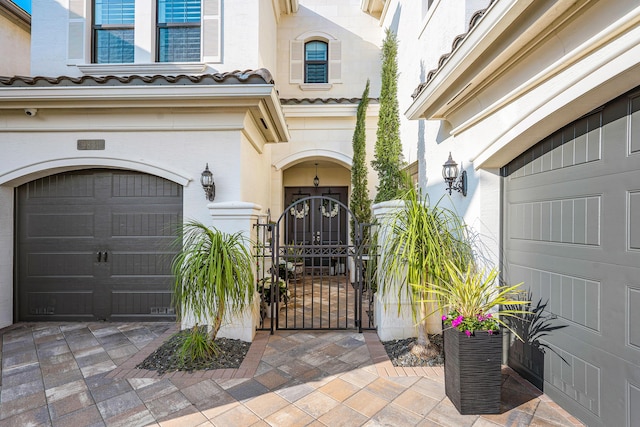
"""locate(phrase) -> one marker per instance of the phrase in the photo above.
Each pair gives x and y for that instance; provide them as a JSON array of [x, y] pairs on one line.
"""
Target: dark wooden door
[[320, 223], [96, 245]]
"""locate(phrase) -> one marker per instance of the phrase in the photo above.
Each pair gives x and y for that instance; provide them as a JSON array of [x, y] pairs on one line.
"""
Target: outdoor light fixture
[[450, 175], [316, 180], [209, 187]]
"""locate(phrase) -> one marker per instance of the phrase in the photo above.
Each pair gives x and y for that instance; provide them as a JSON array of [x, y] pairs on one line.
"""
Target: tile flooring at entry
[[83, 374]]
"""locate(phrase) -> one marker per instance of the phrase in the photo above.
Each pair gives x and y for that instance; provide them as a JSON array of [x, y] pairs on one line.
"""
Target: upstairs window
[[179, 30], [316, 64], [113, 31]]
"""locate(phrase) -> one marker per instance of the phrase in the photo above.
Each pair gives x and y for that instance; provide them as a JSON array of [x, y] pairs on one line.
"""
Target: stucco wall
[[248, 38], [423, 37], [360, 37], [132, 141], [14, 48]]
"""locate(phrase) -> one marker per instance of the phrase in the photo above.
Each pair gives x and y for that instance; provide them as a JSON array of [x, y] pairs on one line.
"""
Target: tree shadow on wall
[[526, 357]]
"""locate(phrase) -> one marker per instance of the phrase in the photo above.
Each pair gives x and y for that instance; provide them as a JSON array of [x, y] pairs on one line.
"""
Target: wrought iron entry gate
[[308, 277]]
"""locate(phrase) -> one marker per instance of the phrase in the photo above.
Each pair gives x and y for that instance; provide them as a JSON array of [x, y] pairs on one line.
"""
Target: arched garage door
[[96, 245], [572, 234]]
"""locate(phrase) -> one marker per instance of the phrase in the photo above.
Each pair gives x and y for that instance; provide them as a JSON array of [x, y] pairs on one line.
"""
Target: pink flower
[[444, 317], [490, 331], [468, 332], [488, 316]]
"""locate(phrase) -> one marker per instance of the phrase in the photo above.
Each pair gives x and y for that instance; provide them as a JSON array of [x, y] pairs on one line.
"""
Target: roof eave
[[450, 81], [260, 99]]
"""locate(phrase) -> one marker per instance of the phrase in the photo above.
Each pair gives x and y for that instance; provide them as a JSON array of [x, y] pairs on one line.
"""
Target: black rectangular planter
[[472, 371]]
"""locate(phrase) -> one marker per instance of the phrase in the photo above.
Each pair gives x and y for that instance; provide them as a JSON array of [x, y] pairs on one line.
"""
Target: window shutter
[[211, 31], [76, 32], [335, 61], [296, 63]]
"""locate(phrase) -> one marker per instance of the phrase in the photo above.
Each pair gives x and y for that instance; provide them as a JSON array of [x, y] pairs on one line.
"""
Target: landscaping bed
[[166, 358], [399, 352]]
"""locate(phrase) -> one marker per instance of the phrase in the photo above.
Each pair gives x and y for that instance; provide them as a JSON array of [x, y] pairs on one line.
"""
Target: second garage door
[[572, 234], [96, 245]]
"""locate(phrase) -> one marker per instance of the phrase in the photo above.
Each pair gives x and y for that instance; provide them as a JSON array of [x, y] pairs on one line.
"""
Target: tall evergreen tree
[[388, 159], [360, 203]]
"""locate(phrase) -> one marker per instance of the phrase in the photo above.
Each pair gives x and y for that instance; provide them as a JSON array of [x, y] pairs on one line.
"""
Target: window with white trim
[[315, 61], [184, 31], [113, 31]]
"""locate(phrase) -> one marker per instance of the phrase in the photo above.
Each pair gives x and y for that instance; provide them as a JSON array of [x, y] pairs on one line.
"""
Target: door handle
[[99, 256], [106, 255]]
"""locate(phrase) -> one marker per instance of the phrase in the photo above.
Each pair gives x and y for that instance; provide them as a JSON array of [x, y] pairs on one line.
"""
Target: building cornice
[[15, 14], [260, 100]]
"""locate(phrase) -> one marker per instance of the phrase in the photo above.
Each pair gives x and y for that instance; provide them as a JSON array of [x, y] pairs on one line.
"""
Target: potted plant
[[474, 308], [271, 294]]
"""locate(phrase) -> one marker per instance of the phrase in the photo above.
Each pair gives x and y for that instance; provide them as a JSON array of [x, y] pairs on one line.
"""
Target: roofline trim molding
[[15, 13]]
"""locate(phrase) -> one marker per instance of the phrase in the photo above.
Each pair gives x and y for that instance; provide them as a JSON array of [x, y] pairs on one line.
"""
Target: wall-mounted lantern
[[209, 187], [450, 175]]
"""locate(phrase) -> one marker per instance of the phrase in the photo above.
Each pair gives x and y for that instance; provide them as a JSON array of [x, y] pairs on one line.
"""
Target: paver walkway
[[83, 374]]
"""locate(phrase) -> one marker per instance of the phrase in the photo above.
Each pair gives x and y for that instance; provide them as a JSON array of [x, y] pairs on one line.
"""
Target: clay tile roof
[[259, 76], [315, 101], [475, 18]]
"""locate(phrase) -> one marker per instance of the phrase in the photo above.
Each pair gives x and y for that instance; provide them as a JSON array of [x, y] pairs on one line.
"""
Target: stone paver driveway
[[83, 374]]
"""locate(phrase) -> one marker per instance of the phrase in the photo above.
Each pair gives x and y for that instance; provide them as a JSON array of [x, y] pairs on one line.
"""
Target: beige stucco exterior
[[15, 33]]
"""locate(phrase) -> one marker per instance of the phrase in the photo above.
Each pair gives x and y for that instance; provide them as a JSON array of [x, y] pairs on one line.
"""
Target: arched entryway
[[96, 245], [316, 279]]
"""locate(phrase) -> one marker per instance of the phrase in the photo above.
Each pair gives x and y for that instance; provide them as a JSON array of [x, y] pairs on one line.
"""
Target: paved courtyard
[[83, 374]]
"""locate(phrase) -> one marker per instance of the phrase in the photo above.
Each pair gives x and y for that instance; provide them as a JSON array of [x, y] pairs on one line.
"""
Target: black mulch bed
[[399, 351], [231, 353]]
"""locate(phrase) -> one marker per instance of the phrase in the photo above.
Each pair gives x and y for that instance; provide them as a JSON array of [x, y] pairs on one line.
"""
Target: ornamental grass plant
[[213, 280], [472, 301]]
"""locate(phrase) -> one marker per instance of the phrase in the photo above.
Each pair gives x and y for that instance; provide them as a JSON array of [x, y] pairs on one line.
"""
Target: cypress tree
[[388, 159], [360, 203]]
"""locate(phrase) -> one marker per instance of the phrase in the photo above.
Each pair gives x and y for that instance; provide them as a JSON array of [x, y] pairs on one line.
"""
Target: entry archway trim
[[340, 158]]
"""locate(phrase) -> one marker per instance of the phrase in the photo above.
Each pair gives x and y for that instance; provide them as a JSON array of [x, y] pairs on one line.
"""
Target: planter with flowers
[[266, 287], [472, 340]]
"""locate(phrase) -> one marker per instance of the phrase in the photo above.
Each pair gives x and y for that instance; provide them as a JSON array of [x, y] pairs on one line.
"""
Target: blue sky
[[25, 4]]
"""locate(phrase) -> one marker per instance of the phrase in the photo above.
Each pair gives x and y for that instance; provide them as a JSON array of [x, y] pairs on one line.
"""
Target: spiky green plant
[[420, 241], [213, 275], [472, 301], [197, 345]]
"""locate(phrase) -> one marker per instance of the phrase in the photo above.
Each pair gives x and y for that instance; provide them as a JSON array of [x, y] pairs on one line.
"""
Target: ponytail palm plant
[[213, 279], [422, 239]]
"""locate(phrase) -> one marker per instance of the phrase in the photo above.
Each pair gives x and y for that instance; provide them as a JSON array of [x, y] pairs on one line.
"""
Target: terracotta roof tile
[[315, 101], [259, 76]]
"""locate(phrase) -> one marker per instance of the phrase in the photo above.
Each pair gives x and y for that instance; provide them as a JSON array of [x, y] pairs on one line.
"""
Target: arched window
[[316, 64]]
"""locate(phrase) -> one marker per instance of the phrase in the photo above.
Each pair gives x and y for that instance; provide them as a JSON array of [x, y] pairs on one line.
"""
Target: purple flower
[[444, 317], [457, 321], [490, 331], [468, 332], [488, 316]]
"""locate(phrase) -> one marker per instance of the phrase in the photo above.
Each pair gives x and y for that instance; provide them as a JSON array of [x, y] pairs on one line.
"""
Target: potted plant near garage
[[474, 309], [213, 281]]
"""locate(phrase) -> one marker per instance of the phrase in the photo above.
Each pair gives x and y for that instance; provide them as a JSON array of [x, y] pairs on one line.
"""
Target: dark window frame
[[95, 28], [324, 62], [168, 25]]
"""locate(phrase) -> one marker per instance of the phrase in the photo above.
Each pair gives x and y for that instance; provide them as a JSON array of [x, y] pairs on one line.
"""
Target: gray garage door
[[572, 234], [96, 245]]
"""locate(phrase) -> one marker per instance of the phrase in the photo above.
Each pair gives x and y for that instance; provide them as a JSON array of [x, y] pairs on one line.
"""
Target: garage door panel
[[572, 234], [114, 248]]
